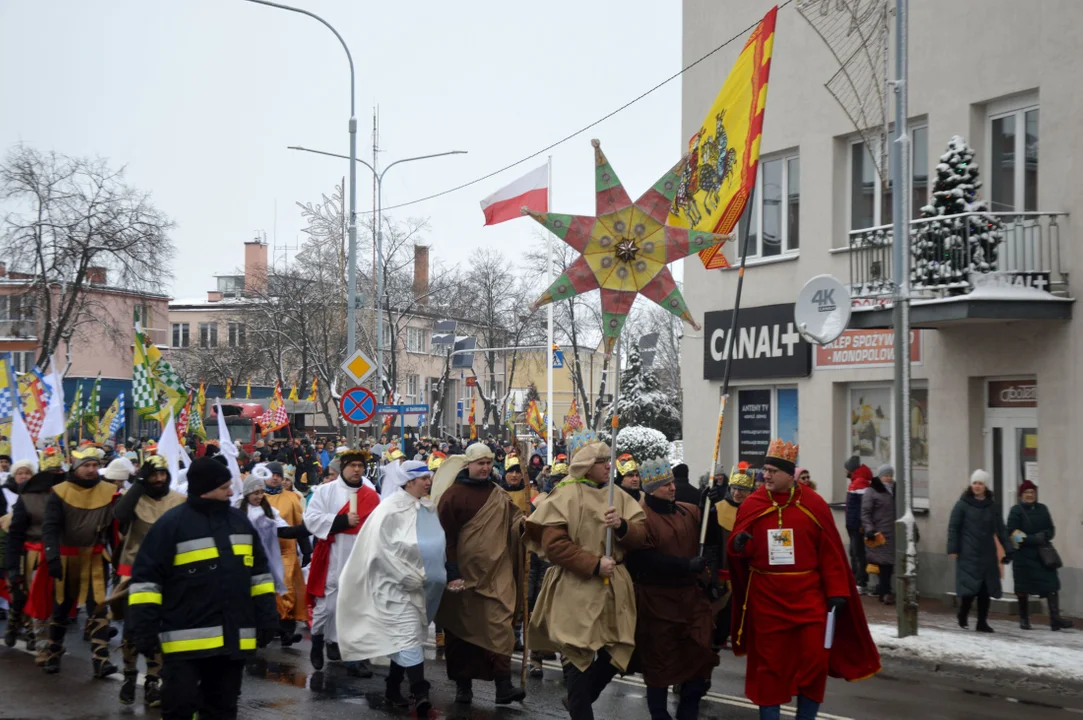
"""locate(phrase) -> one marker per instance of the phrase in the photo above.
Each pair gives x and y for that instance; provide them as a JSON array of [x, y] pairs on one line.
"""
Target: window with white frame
[[412, 383], [236, 335], [415, 339], [386, 335], [1012, 149], [208, 334], [871, 432], [773, 214], [23, 361], [870, 198], [179, 335]]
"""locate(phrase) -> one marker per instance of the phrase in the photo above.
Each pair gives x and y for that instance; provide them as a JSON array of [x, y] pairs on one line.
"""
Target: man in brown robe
[[674, 623], [482, 526], [586, 608]]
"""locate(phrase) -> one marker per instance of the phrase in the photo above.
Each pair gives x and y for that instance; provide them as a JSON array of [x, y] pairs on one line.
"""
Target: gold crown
[[51, 459], [158, 462], [626, 464], [86, 453], [783, 450], [739, 477], [560, 468]]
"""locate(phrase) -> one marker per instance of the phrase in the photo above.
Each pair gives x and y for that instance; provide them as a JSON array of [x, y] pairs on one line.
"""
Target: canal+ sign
[[766, 344]]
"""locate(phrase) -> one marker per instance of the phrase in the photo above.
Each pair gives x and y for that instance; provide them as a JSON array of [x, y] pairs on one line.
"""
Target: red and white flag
[[531, 191]]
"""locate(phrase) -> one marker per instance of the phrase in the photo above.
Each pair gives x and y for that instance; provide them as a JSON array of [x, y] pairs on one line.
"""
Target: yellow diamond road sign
[[358, 367]]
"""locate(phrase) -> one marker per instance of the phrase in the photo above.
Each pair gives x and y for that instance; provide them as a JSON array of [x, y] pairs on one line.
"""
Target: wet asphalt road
[[280, 683]]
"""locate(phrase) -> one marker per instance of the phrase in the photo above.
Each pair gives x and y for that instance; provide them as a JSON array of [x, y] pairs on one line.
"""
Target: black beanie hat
[[206, 475], [680, 472], [852, 464]]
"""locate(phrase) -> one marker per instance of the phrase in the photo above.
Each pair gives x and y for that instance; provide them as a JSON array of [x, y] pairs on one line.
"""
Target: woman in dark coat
[[878, 519], [973, 531], [1030, 526]]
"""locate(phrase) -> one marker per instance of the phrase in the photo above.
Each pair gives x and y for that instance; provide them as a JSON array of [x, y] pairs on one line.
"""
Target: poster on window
[[919, 442], [787, 415], [870, 425], [753, 425]]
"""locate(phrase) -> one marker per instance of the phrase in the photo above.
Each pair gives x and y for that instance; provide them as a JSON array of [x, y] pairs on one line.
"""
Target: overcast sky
[[199, 99]]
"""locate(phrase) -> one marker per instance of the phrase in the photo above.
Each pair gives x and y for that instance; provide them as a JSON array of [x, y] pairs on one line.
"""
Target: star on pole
[[625, 248]]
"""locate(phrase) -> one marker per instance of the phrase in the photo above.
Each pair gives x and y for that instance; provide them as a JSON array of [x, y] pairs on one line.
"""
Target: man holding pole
[[586, 608], [798, 616]]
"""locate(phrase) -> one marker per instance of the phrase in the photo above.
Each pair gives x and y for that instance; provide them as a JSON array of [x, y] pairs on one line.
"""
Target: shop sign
[[865, 348], [766, 344], [1013, 394], [753, 425]]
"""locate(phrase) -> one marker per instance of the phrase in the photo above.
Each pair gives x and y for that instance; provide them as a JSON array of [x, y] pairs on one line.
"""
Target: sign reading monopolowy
[[766, 344], [865, 348]]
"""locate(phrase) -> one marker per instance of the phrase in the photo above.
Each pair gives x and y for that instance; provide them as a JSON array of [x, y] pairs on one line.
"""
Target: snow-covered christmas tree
[[643, 402], [531, 394], [946, 251], [642, 443]]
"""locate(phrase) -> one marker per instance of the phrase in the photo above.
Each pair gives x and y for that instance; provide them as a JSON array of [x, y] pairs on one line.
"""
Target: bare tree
[[69, 223]]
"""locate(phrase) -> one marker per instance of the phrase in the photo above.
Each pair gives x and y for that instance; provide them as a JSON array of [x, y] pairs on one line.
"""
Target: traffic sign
[[358, 366], [558, 358], [402, 409], [357, 405]]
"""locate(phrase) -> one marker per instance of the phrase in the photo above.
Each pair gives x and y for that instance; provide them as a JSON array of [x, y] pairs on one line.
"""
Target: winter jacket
[[201, 583], [859, 482], [1031, 576], [878, 515], [973, 530]]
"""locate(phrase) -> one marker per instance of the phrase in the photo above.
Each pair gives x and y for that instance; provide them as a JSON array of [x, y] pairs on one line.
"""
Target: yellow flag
[[315, 384], [248, 389], [293, 391], [723, 154], [229, 388]]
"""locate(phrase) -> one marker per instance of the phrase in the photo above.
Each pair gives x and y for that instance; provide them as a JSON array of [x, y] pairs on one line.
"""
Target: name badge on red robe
[[780, 550]]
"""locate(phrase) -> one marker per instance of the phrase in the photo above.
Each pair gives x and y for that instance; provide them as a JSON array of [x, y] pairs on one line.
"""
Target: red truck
[[242, 420]]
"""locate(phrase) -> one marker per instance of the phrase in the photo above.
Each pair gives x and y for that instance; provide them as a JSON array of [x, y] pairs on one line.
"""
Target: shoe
[[1056, 622], [315, 655], [422, 704], [393, 696], [518, 645], [10, 634], [51, 666], [961, 616], [536, 670], [152, 692], [288, 633], [506, 693], [103, 669], [332, 652], [983, 627], [888, 599], [127, 688], [1024, 612], [359, 669], [464, 692], [31, 643]]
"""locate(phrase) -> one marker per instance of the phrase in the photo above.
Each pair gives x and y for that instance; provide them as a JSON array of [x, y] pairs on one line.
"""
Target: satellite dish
[[822, 310]]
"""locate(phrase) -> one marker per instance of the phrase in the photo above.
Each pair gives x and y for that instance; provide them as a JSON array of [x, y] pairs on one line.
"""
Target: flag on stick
[[293, 391], [275, 417], [315, 384], [535, 419], [8, 392], [90, 412], [229, 388], [530, 191], [108, 425]]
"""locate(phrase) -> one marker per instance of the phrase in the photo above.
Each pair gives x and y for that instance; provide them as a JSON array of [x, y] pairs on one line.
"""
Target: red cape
[[367, 500], [853, 653]]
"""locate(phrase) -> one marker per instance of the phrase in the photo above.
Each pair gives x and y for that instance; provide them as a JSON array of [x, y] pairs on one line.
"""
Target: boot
[[152, 692], [29, 632], [55, 649], [393, 694], [99, 644], [103, 668], [1056, 622], [964, 611], [127, 688], [464, 692], [315, 655], [332, 652], [288, 633], [359, 669], [983, 615], [440, 645], [1024, 611], [11, 632], [506, 693], [419, 688]]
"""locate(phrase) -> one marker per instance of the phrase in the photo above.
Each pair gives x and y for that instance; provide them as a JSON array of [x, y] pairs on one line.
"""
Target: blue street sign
[[558, 359], [357, 405], [402, 409], [459, 409]]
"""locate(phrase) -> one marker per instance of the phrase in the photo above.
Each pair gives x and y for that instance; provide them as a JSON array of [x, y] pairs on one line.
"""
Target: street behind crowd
[[282, 684]]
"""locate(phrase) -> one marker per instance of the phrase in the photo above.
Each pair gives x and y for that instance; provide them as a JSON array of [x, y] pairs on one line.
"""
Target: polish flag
[[531, 191]]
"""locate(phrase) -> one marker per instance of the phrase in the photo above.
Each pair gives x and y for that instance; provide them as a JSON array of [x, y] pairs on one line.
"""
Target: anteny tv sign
[[766, 344]]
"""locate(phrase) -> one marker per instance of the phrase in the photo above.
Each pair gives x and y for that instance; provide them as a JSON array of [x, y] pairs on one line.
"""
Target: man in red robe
[[789, 571]]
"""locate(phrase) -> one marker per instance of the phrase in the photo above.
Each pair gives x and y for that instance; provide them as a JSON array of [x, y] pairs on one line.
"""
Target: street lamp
[[379, 178], [351, 271]]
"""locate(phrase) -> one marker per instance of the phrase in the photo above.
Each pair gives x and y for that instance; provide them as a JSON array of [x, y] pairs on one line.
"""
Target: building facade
[[995, 372]]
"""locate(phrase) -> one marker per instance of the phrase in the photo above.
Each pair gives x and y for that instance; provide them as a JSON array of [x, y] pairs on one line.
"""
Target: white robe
[[323, 507], [393, 580], [267, 529]]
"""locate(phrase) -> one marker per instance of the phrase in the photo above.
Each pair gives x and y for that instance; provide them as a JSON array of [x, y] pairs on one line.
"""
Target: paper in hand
[[829, 634]]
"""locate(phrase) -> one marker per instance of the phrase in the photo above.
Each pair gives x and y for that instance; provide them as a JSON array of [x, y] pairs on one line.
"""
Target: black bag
[[1049, 557]]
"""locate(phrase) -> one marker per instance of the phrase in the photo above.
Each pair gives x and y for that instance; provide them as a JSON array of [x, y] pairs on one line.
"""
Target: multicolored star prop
[[624, 249]]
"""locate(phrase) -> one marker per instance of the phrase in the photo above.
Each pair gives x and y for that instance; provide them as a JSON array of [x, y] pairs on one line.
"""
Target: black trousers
[[886, 572], [209, 686], [857, 557]]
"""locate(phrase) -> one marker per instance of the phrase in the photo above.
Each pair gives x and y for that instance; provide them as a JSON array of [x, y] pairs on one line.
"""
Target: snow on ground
[[1038, 653]]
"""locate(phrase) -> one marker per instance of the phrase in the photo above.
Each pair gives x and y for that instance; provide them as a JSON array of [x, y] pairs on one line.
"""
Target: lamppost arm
[[330, 154]]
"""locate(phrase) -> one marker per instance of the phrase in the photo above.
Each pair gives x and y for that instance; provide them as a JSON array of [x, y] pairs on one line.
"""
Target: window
[[236, 334], [179, 335], [870, 200], [23, 361], [412, 382], [872, 432], [775, 208], [764, 414], [208, 335], [1013, 185], [386, 339], [415, 339], [231, 285]]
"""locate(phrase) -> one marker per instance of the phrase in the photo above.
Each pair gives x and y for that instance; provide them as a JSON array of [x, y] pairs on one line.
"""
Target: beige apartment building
[[996, 371]]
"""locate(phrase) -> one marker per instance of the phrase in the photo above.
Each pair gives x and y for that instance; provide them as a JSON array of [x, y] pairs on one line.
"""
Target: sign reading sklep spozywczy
[[766, 344]]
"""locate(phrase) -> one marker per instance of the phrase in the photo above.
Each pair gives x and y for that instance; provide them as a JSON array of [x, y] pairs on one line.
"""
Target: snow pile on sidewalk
[[1038, 653]]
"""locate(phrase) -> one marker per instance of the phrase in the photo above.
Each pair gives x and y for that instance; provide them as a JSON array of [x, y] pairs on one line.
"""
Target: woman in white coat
[[392, 583]]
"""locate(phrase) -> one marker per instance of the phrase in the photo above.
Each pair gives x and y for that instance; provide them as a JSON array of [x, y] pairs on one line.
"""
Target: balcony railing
[[946, 251], [22, 328]]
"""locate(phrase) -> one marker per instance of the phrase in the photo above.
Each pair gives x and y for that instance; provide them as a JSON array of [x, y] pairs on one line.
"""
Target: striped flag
[[117, 421], [195, 419], [275, 417], [229, 388], [33, 403], [144, 394], [75, 411], [8, 394], [108, 425]]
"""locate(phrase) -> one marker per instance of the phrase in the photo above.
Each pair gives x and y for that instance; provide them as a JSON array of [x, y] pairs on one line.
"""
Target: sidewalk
[[1027, 657]]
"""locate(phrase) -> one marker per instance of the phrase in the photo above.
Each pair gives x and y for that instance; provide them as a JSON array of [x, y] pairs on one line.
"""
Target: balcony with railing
[[20, 328], [976, 266]]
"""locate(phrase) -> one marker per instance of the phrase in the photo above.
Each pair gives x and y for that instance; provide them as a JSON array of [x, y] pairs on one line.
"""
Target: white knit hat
[[981, 476]]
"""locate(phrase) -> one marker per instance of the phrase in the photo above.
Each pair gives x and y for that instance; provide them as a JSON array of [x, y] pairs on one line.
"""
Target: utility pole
[[906, 580]]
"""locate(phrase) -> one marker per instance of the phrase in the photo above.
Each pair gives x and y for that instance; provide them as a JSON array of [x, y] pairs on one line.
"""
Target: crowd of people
[[368, 546]]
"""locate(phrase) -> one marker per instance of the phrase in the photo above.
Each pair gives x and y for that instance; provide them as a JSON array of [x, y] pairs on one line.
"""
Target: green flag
[[144, 393], [90, 412], [75, 411]]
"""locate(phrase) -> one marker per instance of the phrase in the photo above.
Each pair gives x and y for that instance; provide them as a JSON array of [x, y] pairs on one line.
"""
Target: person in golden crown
[[790, 573], [586, 607], [137, 510], [78, 516]]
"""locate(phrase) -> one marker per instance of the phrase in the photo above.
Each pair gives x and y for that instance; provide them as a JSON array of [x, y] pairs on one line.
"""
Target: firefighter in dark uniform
[[201, 586]]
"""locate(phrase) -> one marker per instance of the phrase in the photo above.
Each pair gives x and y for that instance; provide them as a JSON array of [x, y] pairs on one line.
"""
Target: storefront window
[[763, 415], [872, 431]]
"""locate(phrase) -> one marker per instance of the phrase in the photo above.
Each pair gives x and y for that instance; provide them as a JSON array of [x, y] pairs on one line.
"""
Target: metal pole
[[905, 548], [549, 309], [614, 426]]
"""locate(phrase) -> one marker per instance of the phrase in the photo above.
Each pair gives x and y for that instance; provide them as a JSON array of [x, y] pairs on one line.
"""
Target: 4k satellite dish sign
[[822, 310]]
